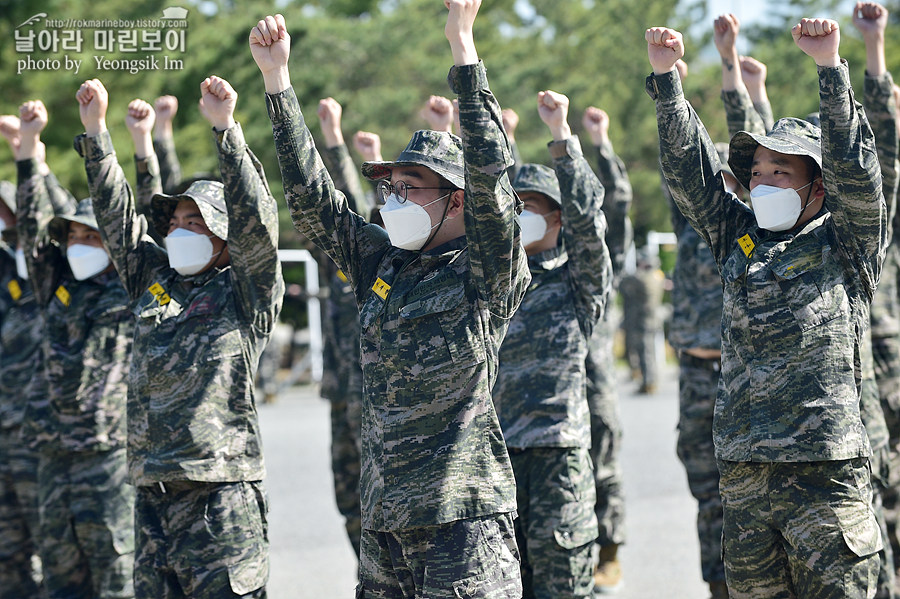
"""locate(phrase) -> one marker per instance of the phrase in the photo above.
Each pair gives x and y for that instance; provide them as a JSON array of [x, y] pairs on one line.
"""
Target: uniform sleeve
[[878, 98], [517, 160], [252, 230], [61, 199], [318, 210], [498, 261], [692, 170], [616, 204], [764, 110], [741, 114], [124, 230], [851, 175], [148, 182], [169, 167], [584, 231], [344, 174], [44, 258]]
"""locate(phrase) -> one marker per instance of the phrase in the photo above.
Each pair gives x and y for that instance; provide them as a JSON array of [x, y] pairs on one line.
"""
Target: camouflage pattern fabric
[[342, 376], [540, 390], [87, 525], [829, 547], [197, 339], [741, 114], [642, 294], [698, 380], [223, 559], [557, 525], [431, 323], [168, 163], [778, 331], [475, 558], [600, 370], [148, 185], [19, 522]]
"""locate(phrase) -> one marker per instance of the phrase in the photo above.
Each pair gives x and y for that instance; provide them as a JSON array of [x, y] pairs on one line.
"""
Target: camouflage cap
[[437, 151], [8, 194], [84, 214], [794, 137], [210, 199], [540, 179]]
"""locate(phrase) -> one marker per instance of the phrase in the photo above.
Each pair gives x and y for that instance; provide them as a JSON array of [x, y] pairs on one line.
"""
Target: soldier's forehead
[[764, 154]]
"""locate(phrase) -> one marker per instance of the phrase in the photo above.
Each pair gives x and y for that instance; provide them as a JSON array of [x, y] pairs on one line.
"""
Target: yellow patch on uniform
[[747, 245], [63, 295], [381, 288], [14, 290], [159, 293], [342, 276]]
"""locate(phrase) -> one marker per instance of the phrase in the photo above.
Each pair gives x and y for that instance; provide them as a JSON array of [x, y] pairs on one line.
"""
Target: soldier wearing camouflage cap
[[86, 506], [205, 308], [436, 291], [540, 392], [799, 272]]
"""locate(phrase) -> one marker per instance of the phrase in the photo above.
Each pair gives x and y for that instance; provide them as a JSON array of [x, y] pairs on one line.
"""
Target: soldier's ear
[[456, 203]]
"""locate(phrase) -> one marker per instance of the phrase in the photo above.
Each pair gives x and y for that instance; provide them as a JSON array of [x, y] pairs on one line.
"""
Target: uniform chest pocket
[[812, 285], [443, 325]]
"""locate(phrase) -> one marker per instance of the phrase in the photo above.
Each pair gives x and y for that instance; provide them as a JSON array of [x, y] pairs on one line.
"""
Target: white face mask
[[408, 224], [189, 252], [21, 268], [86, 260], [776, 208], [533, 227]]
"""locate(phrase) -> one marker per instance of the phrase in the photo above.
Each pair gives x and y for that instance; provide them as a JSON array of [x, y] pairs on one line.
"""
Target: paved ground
[[312, 559]]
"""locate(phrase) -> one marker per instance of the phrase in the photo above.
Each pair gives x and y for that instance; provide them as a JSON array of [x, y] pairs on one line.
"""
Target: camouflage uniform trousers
[[346, 448], [19, 528], [697, 384], [87, 524], [886, 352], [606, 433], [799, 529], [640, 347], [557, 525], [475, 558], [201, 540]]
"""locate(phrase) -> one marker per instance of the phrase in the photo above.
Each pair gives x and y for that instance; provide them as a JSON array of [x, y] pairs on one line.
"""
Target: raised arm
[[139, 121], [851, 174], [583, 222], [252, 211], [739, 110], [166, 107], [495, 250], [337, 157], [123, 230], [753, 74], [438, 112]]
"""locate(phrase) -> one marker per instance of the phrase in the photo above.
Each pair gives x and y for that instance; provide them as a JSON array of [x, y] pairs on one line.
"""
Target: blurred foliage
[[381, 59]]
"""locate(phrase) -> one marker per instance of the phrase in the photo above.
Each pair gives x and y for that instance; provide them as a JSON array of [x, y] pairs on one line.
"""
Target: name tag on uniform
[[747, 245], [343, 277], [159, 293], [14, 290], [381, 288], [63, 295]]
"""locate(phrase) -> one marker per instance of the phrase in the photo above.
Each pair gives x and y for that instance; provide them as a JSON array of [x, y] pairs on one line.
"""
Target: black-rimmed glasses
[[400, 188]]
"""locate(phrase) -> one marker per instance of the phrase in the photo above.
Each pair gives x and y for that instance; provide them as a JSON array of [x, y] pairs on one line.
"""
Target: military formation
[[469, 338]]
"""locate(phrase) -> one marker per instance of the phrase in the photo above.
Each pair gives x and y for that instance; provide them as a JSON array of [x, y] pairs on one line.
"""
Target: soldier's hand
[[870, 18], [753, 72], [368, 145], [217, 101], [9, 129], [93, 101], [140, 117], [553, 109], [596, 122], [458, 30], [166, 107], [438, 113], [32, 118], [725, 32], [329, 114], [820, 39], [510, 122], [664, 48], [270, 45]]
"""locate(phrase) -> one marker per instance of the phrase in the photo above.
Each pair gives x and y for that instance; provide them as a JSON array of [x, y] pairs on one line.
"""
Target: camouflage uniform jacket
[[614, 178], [87, 338], [540, 391], [432, 323], [743, 115], [341, 368], [191, 410], [795, 303], [169, 167], [878, 99]]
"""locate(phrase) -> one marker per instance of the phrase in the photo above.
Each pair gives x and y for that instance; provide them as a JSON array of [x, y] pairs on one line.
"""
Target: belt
[[714, 364], [175, 486]]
